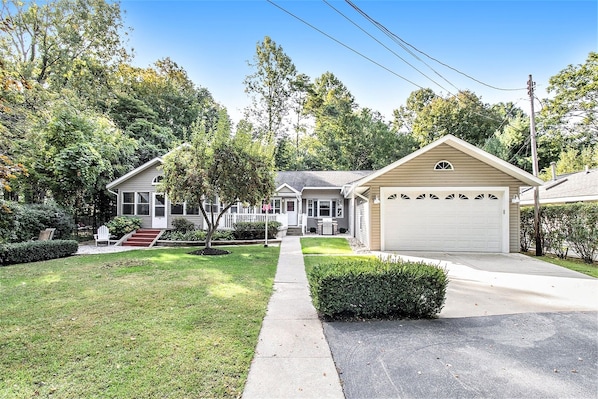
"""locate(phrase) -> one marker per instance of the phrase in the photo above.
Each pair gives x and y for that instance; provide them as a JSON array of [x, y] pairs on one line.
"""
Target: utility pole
[[532, 128]]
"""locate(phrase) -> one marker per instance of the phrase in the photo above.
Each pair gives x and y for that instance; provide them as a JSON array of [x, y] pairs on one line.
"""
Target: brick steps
[[294, 231], [142, 238]]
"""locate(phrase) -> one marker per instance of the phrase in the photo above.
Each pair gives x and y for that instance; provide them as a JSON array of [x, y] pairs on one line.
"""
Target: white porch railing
[[229, 219]]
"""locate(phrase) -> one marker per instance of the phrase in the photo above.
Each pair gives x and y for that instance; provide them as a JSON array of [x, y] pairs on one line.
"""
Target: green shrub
[[373, 288], [23, 222], [182, 224], [176, 235], [223, 235], [563, 227], [35, 251], [255, 230], [121, 225]]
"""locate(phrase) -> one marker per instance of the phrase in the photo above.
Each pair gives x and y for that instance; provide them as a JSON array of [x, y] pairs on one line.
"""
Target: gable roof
[[154, 162], [464, 147], [299, 180], [572, 187]]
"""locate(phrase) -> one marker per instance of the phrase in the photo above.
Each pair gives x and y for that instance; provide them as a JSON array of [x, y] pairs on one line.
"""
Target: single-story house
[[446, 196], [568, 188]]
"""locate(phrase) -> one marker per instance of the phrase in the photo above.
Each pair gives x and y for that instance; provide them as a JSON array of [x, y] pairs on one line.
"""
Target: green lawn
[[573, 264], [325, 246], [140, 324]]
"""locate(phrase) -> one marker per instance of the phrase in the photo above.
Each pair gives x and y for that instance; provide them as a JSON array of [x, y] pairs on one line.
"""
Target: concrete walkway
[[292, 358]]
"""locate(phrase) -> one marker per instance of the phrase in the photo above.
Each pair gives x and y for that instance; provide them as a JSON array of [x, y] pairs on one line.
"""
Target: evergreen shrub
[[375, 288], [35, 251], [255, 230]]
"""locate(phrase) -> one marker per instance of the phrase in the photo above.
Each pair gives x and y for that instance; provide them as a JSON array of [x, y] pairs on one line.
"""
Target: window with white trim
[[135, 203], [443, 165], [157, 180], [275, 206], [325, 208]]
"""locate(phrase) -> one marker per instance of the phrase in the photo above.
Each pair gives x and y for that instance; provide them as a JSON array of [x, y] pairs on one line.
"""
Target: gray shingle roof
[[573, 185], [308, 178]]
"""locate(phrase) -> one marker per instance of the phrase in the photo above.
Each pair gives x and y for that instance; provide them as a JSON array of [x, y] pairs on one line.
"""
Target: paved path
[[292, 358]]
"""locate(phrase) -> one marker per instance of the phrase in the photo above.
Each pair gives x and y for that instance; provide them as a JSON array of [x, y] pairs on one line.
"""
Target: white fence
[[229, 219]]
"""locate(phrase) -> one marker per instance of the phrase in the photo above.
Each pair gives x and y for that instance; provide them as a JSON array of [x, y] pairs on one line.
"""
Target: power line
[[391, 34], [344, 45], [383, 45]]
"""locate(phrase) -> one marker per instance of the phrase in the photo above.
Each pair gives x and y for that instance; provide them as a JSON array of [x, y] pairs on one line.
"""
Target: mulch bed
[[210, 251]]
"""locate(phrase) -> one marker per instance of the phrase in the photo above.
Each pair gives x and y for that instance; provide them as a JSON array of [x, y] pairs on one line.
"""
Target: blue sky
[[497, 42]]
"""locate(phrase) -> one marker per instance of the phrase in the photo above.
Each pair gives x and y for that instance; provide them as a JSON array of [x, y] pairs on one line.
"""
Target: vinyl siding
[[468, 172]]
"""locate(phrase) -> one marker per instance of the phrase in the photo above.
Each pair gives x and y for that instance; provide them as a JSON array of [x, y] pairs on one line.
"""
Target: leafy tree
[[332, 105], [572, 160], [9, 171], [219, 166], [270, 88], [79, 153], [573, 111]]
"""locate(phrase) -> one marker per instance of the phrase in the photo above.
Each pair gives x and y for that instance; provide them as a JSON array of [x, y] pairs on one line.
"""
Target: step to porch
[[142, 238], [294, 231]]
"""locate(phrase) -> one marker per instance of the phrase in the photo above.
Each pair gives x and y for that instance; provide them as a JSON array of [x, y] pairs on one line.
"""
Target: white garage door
[[455, 220]]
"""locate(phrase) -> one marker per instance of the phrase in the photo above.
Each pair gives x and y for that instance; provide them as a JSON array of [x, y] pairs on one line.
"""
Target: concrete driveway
[[512, 327]]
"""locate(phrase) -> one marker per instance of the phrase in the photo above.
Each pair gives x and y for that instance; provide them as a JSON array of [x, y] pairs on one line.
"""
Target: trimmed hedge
[[563, 227], [35, 251], [255, 230], [374, 288]]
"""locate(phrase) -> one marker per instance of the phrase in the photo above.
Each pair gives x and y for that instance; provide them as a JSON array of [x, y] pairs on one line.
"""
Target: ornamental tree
[[218, 166]]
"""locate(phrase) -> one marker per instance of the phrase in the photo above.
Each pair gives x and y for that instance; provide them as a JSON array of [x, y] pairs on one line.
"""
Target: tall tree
[[573, 110], [332, 105], [269, 87], [219, 167]]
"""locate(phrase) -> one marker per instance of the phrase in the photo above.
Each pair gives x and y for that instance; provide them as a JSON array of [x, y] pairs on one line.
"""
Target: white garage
[[445, 219]]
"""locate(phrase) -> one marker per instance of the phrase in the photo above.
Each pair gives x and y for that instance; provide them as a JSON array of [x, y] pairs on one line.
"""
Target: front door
[[292, 212], [159, 220]]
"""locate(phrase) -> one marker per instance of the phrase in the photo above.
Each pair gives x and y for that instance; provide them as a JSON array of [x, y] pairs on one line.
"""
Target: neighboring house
[[447, 196], [568, 188]]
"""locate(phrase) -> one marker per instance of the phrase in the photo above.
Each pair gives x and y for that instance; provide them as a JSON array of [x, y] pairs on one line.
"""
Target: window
[[405, 196], [275, 206], [211, 205], [157, 180], [433, 196], [143, 201], [479, 197], [325, 208], [443, 165], [450, 197], [492, 197], [136, 203], [128, 203], [421, 196], [392, 197], [176, 209], [463, 197]]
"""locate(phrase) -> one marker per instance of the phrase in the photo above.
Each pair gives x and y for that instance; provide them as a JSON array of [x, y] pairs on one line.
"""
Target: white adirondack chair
[[103, 235]]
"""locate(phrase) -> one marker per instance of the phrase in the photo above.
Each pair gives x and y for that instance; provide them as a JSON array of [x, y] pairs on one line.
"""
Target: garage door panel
[[456, 221]]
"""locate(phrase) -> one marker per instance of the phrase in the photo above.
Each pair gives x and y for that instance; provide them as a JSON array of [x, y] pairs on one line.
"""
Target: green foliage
[[255, 230], [184, 235], [269, 87], [121, 225], [562, 227], [23, 222], [182, 225], [373, 288], [35, 251], [231, 168]]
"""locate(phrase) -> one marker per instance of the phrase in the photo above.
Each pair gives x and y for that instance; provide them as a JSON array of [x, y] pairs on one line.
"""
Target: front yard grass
[[325, 246], [571, 263], [152, 324]]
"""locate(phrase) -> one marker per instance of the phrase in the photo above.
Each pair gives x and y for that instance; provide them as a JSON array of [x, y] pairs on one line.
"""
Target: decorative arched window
[[405, 196], [479, 197], [443, 165], [492, 197], [463, 197], [450, 197], [157, 180], [421, 196], [392, 197], [434, 196]]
